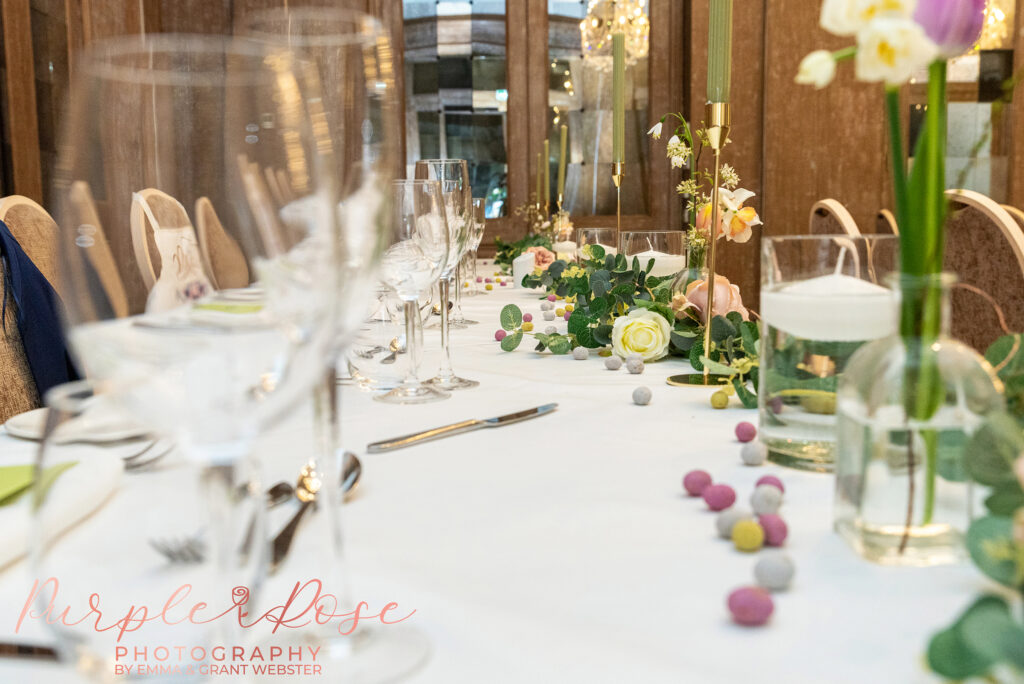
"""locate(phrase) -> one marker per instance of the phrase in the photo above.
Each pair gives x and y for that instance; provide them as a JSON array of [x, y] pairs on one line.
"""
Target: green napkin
[[15, 480], [228, 308]]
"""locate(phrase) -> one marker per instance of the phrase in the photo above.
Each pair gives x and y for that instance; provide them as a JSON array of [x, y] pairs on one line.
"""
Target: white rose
[[892, 50], [655, 131], [817, 69], [641, 332], [848, 17]]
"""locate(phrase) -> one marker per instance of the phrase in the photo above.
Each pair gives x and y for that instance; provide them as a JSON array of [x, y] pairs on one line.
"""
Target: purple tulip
[[954, 25]]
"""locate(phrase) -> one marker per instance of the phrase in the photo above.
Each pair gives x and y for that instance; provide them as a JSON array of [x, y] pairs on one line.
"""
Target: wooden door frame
[[26, 162]]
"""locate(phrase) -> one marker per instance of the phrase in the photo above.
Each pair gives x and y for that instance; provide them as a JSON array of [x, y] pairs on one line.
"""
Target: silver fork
[[181, 549], [149, 454]]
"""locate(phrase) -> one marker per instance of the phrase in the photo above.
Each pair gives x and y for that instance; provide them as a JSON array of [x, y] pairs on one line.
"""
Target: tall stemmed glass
[[155, 126], [475, 238], [420, 246], [453, 175]]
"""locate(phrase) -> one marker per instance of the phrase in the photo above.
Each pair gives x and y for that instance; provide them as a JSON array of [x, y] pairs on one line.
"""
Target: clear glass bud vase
[[906, 407]]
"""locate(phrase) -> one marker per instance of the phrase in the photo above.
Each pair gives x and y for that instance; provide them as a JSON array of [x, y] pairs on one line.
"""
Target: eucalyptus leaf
[[511, 317], [1005, 500], [721, 329], [990, 543], [989, 631], [577, 322], [748, 398], [950, 657], [510, 342], [717, 368], [696, 353], [596, 251], [603, 335], [992, 449], [560, 345], [749, 334]]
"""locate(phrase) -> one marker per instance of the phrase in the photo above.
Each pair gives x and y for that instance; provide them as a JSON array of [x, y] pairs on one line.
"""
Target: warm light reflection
[[606, 17]]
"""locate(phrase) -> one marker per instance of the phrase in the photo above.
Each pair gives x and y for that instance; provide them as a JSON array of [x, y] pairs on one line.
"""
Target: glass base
[[697, 380], [816, 457], [465, 322], [452, 383], [373, 655], [413, 394], [925, 545]]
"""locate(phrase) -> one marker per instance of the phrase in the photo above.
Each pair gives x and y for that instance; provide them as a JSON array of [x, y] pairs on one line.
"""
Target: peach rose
[[727, 298], [542, 257]]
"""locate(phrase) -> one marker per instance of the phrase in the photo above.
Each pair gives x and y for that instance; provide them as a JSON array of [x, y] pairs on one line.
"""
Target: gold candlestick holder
[[719, 118], [618, 173]]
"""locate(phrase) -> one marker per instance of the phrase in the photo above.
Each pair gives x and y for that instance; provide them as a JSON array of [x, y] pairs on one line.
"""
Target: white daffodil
[[849, 17], [817, 69], [892, 50]]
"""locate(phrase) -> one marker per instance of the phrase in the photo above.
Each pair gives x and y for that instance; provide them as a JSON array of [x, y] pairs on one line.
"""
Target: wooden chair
[[885, 223], [18, 392], [985, 248], [830, 217], [98, 253], [222, 258], [36, 232], [166, 212], [1016, 214]]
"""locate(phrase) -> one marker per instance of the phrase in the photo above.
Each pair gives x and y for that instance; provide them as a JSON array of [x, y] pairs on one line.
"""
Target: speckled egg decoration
[[499, 335], [550, 330], [747, 536], [719, 497], [613, 363], [775, 529], [642, 396], [527, 317], [728, 518], [552, 298], [696, 481], [546, 306], [750, 606], [635, 365], [581, 353], [766, 499], [549, 315], [775, 571], [745, 431], [754, 453], [771, 480]]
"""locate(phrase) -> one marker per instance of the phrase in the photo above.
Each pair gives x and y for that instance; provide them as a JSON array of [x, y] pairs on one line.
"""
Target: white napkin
[[78, 492]]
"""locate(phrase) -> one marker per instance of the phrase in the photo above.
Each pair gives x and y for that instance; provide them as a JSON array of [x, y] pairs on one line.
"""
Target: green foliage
[[986, 634], [511, 317], [506, 252]]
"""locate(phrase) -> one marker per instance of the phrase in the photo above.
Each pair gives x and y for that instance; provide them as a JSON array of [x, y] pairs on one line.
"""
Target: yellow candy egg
[[569, 307], [748, 536], [559, 312], [719, 400], [527, 327], [488, 286]]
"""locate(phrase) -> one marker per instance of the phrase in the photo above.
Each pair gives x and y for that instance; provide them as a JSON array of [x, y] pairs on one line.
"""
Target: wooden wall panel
[[21, 99], [818, 143], [1016, 133], [740, 263]]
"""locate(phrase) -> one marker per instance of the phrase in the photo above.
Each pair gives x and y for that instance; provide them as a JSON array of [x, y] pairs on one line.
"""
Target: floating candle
[[664, 264], [834, 307]]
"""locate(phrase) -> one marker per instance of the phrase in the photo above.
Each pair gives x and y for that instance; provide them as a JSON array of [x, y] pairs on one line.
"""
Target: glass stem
[[411, 311], [444, 287]]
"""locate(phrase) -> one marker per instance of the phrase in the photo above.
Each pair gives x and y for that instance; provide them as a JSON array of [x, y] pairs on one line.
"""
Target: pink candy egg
[[750, 606], [695, 482], [567, 315], [499, 335], [719, 497], [527, 317], [772, 480], [775, 529], [552, 298], [488, 280], [745, 432]]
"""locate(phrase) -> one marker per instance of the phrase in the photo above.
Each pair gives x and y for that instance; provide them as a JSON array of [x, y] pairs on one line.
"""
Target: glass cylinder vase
[[822, 298], [906, 407]]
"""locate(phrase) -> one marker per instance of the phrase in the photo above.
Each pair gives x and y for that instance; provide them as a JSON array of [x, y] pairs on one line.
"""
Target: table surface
[[563, 549]]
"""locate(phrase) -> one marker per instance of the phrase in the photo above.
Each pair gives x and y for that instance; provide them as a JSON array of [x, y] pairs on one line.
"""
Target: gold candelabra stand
[[719, 118], [618, 173]]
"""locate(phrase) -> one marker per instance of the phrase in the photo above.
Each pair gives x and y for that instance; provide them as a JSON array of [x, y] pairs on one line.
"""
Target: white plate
[[240, 294], [99, 425]]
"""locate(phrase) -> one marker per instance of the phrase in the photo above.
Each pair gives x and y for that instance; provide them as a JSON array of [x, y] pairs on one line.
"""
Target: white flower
[[655, 131], [641, 332], [678, 152], [730, 178], [892, 50], [848, 17], [817, 69]]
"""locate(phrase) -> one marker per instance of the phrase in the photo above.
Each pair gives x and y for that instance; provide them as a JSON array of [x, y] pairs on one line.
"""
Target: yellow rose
[[641, 332]]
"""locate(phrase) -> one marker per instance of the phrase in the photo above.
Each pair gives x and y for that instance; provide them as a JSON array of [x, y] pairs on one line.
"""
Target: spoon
[[395, 348], [351, 470], [305, 491]]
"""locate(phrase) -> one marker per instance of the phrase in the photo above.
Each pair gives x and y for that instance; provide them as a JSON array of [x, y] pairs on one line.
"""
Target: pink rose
[[727, 298], [542, 257]]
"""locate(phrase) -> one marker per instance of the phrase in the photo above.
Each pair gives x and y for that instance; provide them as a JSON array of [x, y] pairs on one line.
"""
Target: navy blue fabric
[[39, 312]]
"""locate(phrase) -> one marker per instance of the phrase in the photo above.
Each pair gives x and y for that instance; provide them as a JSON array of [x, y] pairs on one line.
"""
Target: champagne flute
[[453, 175], [475, 238]]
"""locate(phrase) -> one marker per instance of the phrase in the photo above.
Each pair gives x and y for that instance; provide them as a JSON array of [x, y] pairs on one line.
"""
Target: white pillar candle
[[664, 264], [564, 250], [522, 266], [831, 308]]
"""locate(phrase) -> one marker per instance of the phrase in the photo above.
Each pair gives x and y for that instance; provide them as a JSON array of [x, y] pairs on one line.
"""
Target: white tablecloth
[[563, 550]]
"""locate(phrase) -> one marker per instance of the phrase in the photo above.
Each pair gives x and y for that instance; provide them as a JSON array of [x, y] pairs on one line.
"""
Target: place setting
[[593, 340]]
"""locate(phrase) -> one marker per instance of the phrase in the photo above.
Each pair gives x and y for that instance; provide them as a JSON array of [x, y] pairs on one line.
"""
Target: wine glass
[[420, 246], [453, 175], [476, 236], [158, 126]]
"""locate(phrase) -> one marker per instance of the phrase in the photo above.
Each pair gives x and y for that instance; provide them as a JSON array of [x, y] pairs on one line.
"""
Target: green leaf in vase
[[992, 449]]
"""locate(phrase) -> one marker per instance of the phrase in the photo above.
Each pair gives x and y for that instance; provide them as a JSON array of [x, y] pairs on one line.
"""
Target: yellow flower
[[641, 332]]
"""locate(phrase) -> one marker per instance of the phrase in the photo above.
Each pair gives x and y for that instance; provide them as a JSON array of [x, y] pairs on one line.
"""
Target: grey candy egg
[[642, 396], [550, 330], [766, 499], [754, 453], [635, 365], [581, 353], [775, 571], [613, 363], [728, 518], [549, 315]]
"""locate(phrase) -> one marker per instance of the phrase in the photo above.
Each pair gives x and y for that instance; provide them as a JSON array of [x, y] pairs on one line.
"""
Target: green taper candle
[[540, 177], [547, 172], [619, 98], [719, 50], [563, 134]]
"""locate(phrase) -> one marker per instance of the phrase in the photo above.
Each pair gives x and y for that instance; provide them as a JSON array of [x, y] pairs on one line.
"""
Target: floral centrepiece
[[695, 298], [642, 332]]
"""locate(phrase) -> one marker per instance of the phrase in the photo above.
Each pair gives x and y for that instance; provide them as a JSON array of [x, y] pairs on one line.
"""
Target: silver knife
[[459, 428]]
